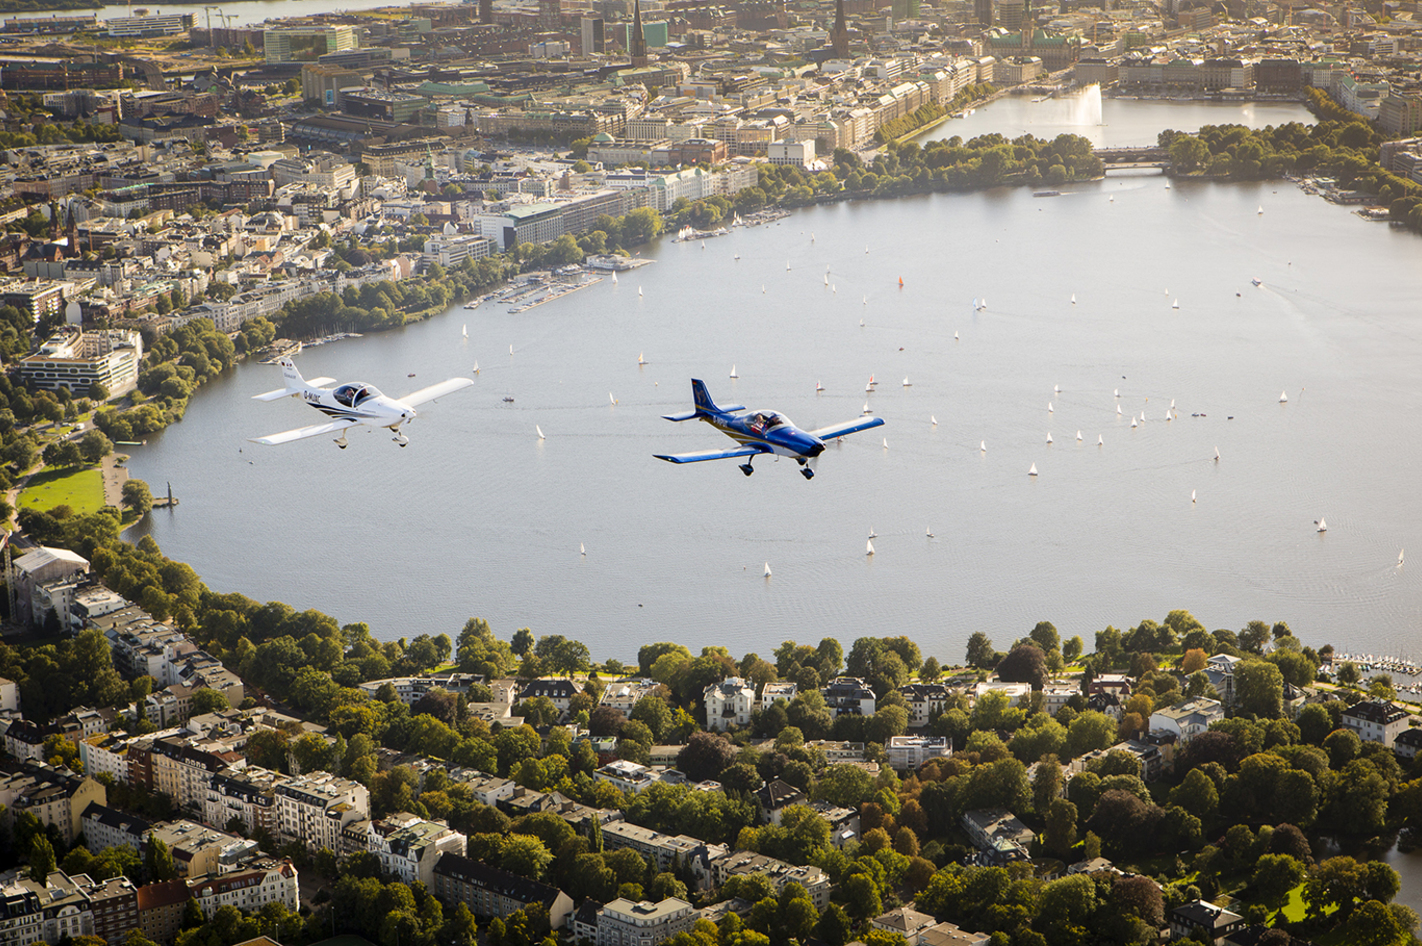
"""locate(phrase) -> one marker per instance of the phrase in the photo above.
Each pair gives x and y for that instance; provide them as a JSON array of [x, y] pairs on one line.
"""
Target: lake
[[478, 516]]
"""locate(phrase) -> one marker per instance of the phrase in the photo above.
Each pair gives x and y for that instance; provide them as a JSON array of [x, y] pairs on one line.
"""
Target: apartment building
[[106, 827], [490, 892], [624, 923], [249, 888], [315, 807], [907, 753], [246, 794], [744, 863], [729, 703], [849, 696], [664, 849], [1375, 721]]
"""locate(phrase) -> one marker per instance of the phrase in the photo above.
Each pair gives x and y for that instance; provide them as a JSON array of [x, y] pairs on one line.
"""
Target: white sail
[[819, 386], [955, 336], [510, 349], [1399, 555], [1056, 389], [872, 533], [1322, 526], [868, 388], [612, 399], [1118, 392], [1217, 454], [886, 443], [639, 292], [907, 383], [1261, 208], [1050, 409], [1283, 397], [1118, 410], [928, 530], [641, 358], [1175, 304], [733, 372], [1100, 440], [614, 279], [466, 331], [767, 569], [1073, 298], [540, 432], [1033, 470], [1192, 495], [1078, 436], [869, 547], [866, 408], [933, 420], [1133, 422], [582, 549], [476, 367], [1049, 437], [982, 447]]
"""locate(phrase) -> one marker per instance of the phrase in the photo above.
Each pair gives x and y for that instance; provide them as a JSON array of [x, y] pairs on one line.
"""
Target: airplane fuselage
[[770, 431], [379, 410]]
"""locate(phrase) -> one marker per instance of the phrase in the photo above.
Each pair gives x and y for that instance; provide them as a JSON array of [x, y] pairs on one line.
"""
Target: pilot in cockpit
[[758, 423], [350, 394]]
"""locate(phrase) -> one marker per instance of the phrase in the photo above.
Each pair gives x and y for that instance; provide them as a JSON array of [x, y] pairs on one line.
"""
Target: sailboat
[[869, 548], [639, 292], [928, 530], [466, 331], [1217, 454], [614, 279], [872, 534], [733, 372], [866, 249], [1118, 410], [1118, 392], [540, 432], [1283, 397], [955, 336], [982, 447], [872, 382], [933, 420], [641, 360], [787, 266], [767, 569], [476, 367], [1175, 304], [1073, 298], [886, 443], [866, 408], [1033, 470], [907, 382], [1050, 409], [901, 282], [1261, 208], [1056, 389], [1322, 526], [1133, 423], [1192, 495], [1078, 436], [826, 279], [819, 386], [612, 399], [1049, 437], [582, 550], [1399, 555], [869, 388], [510, 349], [866, 300], [1100, 440]]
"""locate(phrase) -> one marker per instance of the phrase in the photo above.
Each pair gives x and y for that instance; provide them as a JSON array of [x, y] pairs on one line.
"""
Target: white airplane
[[351, 404]]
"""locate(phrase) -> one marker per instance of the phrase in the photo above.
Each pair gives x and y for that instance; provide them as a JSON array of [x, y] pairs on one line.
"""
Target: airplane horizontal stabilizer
[[848, 427], [300, 433], [684, 415], [747, 451], [436, 390], [280, 393]]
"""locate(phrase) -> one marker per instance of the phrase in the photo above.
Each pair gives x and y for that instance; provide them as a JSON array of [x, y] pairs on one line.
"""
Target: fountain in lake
[[1084, 108]]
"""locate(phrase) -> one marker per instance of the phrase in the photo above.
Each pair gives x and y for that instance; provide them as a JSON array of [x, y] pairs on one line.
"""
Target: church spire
[[839, 36], [637, 45]]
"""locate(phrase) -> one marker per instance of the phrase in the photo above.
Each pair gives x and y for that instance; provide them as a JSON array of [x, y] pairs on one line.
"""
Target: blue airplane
[[760, 432]]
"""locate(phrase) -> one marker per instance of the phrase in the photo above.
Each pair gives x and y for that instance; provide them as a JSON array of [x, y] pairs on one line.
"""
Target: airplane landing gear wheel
[[747, 469], [807, 473]]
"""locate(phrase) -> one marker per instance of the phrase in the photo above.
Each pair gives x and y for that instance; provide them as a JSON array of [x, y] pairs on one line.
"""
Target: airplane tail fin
[[295, 383], [292, 377], [704, 404], [705, 407]]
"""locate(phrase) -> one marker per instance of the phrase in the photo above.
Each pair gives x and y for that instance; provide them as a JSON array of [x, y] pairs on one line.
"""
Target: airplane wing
[[746, 451], [848, 427], [301, 433], [435, 390]]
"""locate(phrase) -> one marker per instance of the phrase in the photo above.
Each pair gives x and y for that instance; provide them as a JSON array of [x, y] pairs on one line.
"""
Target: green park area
[[80, 489]]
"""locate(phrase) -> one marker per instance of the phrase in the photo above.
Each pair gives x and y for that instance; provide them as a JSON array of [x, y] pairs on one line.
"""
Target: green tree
[[41, 858], [137, 497], [158, 861], [1259, 688]]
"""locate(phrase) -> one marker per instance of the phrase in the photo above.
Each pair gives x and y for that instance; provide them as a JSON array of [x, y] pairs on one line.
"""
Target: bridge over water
[[1143, 156]]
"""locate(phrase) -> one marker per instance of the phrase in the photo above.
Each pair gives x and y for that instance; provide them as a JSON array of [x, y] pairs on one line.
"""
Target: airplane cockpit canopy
[[351, 395], [768, 420]]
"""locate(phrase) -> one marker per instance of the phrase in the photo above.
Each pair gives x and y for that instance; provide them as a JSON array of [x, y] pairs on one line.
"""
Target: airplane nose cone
[[817, 449]]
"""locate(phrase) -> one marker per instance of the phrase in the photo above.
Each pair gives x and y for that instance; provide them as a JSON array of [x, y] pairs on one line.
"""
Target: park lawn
[[81, 489], [1293, 910]]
